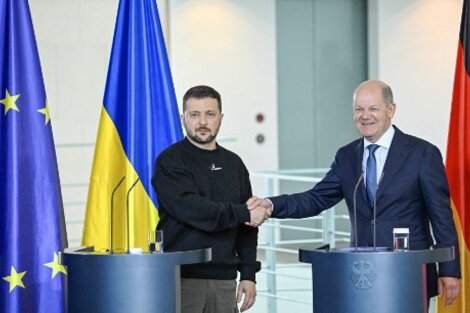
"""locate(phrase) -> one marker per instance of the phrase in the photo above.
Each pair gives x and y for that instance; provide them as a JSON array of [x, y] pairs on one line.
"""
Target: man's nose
[[202, 119], [366, 114]]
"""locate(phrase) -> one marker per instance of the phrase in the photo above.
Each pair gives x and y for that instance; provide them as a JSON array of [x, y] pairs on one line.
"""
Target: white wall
[[74, 42], [224, 43], [230, 45], [414, 48]]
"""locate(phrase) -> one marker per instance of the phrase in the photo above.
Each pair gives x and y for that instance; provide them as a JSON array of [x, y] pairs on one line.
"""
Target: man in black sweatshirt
[[202, 189]]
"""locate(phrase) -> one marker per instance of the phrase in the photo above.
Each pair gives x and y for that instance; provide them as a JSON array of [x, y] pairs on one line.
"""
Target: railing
[[273, 245], [72, 158]]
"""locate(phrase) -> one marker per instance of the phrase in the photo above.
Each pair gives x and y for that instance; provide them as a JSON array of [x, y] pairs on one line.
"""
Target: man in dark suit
[[403, 176]]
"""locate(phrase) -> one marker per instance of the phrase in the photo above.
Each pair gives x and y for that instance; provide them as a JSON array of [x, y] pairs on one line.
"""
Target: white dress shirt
[[380, 154]]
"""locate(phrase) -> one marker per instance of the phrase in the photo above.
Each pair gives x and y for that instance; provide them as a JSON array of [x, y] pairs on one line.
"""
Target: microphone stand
[[112, 212], [355, 208], [127, 213], [374, 236]]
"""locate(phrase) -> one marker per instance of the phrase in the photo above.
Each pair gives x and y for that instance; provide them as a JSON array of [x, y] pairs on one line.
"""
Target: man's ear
[[392, 107]]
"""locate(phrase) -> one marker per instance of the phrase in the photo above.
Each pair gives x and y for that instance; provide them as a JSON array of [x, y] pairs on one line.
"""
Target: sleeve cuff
[[243, 213], [248, 271]]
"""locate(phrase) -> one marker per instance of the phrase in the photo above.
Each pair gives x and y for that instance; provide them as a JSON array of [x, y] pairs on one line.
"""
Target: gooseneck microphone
[[127, 213], [374, 236], [112, 212], [359, 180]]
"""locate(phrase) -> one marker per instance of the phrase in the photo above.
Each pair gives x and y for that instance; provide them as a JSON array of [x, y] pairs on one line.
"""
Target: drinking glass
[[155, 241], [401, 239]]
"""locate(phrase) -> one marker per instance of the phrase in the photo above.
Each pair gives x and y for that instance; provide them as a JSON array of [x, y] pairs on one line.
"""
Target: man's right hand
[[254, 202], [258, 216], [260, 211]]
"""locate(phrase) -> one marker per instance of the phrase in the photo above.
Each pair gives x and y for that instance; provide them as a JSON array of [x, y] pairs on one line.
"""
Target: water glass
[[401, 239], [155, 241]]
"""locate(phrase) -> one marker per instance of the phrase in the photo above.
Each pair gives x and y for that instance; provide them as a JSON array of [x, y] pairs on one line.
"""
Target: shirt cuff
[[272, 205]]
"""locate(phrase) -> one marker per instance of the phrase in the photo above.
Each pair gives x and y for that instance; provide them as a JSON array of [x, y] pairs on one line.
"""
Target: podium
[[367, 281], [103, 283]]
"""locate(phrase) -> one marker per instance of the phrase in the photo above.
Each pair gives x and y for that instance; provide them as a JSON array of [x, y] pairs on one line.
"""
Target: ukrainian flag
[[138, 120]]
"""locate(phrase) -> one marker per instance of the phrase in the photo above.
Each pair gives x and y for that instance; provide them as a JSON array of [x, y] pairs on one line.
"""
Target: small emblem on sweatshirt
[[214, 168]]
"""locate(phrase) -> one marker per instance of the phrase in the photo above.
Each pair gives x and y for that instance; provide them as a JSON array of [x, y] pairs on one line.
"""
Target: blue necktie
[[371, 174]]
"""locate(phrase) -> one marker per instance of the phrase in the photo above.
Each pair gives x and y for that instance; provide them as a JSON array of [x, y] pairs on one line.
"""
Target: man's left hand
[[247, 288], [451, 286]]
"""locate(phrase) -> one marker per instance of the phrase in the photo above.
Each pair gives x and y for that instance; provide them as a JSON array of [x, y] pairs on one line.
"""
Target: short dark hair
[[200, 92]]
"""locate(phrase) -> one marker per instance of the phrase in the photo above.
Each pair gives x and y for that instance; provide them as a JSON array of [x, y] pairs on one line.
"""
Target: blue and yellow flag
[[32, 228], [138, 120]]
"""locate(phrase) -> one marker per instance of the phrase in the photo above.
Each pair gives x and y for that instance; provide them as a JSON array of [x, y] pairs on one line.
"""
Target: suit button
[[372, 222]]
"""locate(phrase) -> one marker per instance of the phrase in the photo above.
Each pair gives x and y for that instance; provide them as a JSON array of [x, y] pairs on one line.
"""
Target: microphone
[[355, 208], [112, 211], [374, 235], [127, 213]]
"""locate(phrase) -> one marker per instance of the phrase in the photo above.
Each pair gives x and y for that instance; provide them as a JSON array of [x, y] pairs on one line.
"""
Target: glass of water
[[155, 241], [401, 239]]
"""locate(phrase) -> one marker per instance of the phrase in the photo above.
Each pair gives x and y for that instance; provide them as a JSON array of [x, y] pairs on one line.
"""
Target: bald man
[[413, 189]]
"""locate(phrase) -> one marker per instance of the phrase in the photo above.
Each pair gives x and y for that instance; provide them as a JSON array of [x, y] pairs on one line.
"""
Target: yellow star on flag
[[15, 279], [46, 113], [9, 102], [56, 266]]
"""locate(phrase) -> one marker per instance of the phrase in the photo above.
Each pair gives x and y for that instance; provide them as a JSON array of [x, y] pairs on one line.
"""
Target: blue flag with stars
[[32, 228]]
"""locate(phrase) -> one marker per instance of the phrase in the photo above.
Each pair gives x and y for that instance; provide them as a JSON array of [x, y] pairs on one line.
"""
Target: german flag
[[458, 162]]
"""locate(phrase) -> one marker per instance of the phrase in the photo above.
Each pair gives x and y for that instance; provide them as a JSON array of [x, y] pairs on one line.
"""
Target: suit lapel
[[399, 150], [357, 159]]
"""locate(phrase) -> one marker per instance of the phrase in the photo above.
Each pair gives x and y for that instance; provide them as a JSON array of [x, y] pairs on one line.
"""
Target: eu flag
[[139, 119], [32, 228]]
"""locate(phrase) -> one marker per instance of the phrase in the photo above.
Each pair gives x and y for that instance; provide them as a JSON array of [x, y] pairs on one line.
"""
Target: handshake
[[260, 211]]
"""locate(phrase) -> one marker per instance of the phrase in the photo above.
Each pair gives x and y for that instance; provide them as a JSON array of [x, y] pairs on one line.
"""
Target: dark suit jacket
[[413, 191]]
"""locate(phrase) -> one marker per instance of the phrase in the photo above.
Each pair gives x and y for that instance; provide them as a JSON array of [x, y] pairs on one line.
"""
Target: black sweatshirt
[[201, 204]]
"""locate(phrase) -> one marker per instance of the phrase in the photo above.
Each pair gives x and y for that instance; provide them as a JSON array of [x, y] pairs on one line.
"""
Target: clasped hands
[[260, 210]]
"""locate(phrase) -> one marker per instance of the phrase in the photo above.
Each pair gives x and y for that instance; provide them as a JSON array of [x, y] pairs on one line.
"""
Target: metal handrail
[[272, 228], [272, 245]]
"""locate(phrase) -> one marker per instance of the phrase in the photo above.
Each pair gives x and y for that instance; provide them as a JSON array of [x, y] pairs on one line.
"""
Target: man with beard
[[202, 189]]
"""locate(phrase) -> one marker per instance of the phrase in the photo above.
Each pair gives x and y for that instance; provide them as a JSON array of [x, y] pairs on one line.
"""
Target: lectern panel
[[370, 281], [100, 283]]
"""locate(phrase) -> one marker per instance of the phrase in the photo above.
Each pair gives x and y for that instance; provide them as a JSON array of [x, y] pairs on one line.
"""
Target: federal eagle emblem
[[363, 275]]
